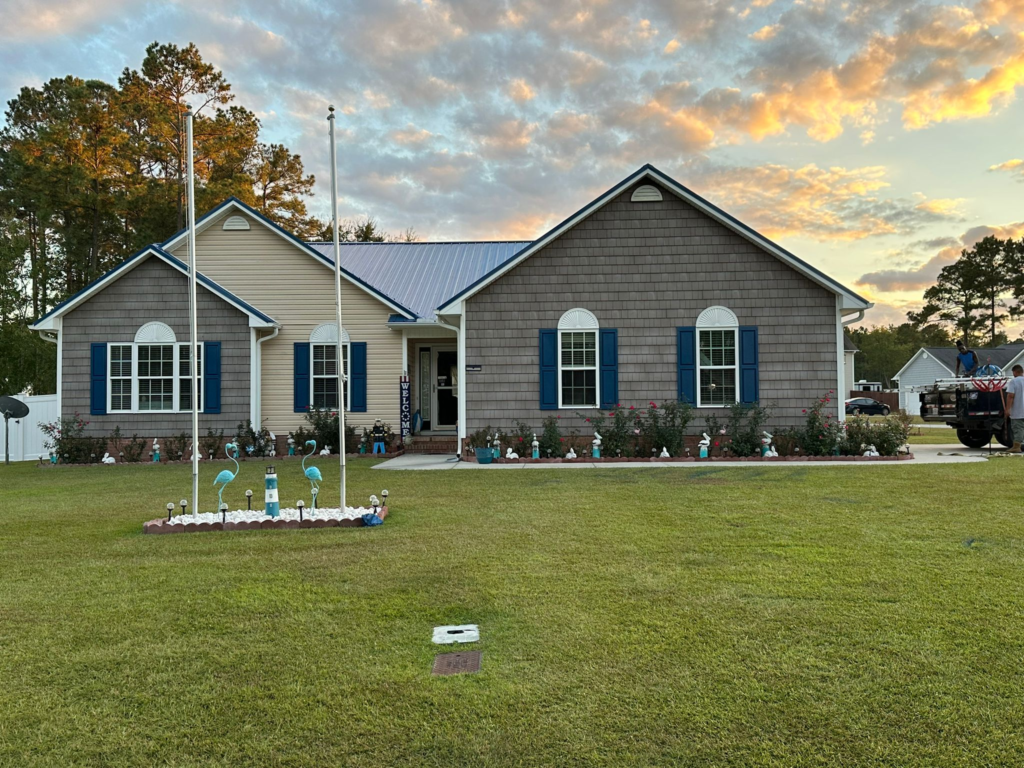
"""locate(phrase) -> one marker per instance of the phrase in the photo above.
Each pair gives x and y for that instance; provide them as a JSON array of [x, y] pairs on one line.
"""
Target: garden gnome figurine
[[496, 446], [362, 444], [273, 444], [291, 445], [378, 438], [535, 453], [510, 454], [664, 453], [704, 444], [156, 450], [596, 443]]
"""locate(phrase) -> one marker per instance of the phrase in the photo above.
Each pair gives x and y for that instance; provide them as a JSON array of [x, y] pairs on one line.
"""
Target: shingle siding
[[154, 291], [646, 269]]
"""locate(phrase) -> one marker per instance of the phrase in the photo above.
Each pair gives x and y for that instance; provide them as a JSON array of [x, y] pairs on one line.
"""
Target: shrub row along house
[[647, 293]]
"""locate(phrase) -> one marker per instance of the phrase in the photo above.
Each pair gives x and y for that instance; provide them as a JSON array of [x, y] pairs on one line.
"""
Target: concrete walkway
[[923, 454]]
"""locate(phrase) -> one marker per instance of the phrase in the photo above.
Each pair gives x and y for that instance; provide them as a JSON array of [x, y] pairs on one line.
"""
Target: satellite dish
[[10, 408]]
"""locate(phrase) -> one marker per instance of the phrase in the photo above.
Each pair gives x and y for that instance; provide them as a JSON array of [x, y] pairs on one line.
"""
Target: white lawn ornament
[[496, 446], [199, 454], [107, 459], [664, 453], [325, 451], [768, 451], [571, 454], [510, 454], [273, 444], [871, 451], [596, 443], [705, 445], [535, 447]]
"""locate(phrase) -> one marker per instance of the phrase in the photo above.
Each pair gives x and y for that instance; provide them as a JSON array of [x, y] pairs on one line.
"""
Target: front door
[[445, 387]]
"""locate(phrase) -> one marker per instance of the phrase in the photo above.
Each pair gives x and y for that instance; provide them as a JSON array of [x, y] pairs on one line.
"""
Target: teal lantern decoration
[[273, 505]]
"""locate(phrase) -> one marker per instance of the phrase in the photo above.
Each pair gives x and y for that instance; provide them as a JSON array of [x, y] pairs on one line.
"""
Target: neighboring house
[[849, 352], [648, 293], [931, 363]]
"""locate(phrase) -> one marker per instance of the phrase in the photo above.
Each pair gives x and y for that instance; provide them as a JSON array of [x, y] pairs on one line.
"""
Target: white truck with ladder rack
[[975, 406]]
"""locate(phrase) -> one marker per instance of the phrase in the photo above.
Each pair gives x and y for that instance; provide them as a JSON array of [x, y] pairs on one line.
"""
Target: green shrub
[[479, 439], [551, 438], [209, 445], [521, 438], [888, 435], [744, 427], [176, 446], [822, 433], [252, 442]]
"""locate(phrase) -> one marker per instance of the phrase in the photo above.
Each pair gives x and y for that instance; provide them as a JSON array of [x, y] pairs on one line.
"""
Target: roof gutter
[[855, 319]]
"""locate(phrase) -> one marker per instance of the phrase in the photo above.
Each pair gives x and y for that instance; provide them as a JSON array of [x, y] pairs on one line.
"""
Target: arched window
[[152, 373], [323, 381], [578, 359], [717, 358]]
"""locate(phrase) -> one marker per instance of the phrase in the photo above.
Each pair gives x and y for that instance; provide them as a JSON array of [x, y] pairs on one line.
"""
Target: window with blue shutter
[[98, 380], [749, 377], [549, 369], [357, 375], [300, 363], [211, 377], [609, 367], [686, 356]]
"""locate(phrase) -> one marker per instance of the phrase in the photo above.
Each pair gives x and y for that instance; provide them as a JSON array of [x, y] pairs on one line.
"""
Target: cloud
[[520, 91], [1015, 166], [765, 33], [924, 274], [671, 46], [823, 204]]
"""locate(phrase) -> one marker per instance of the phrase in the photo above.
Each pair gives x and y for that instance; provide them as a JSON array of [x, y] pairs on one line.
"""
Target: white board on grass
[[463, 633]]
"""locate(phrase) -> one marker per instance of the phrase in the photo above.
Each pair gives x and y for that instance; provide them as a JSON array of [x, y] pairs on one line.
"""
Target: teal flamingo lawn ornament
[[312, 473], [226, 475]]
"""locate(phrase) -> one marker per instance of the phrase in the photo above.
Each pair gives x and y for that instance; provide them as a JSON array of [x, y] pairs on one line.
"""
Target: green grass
[[930, 436], [758, 616]]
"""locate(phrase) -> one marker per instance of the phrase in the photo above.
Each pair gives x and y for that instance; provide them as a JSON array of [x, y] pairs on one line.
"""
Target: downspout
[[463, 384], [55, 338], [258, 373]]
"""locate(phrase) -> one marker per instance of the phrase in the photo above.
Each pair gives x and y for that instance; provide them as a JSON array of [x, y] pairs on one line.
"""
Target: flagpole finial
[[330, 109], [188, 108]]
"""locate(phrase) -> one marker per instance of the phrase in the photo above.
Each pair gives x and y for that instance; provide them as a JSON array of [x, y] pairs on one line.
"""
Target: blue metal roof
[[422, 276]]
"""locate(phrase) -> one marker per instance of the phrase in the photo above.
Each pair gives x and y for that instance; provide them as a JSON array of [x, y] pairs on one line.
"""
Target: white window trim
[[719, 319], [347, 352], [135, 375], [579, 320]]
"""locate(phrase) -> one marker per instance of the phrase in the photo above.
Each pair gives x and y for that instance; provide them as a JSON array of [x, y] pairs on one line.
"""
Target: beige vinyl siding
[[297, 290]]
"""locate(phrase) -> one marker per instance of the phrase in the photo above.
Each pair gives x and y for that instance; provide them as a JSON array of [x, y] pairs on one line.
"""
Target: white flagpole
[[337, 301], [193, 339]]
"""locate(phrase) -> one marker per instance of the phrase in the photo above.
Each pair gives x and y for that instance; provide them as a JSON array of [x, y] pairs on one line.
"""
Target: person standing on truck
[[1015, 407], [965, 358]]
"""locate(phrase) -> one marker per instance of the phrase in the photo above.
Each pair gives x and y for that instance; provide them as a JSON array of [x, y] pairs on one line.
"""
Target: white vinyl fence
[[26, 439]]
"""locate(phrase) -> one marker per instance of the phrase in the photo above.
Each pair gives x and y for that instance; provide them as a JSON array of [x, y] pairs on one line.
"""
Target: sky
[[874, 139]]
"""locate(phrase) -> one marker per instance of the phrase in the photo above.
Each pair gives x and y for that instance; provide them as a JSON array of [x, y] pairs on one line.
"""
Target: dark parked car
[[866, 405]]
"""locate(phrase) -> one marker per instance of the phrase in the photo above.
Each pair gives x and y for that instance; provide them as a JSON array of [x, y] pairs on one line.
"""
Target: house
[[647, 293], [931, 363]]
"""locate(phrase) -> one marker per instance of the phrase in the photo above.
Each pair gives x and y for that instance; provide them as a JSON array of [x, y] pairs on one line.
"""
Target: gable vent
[[240, 222], [646, 194]]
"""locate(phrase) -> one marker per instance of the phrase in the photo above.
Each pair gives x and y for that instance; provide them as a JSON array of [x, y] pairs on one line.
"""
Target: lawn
[[757, 616]]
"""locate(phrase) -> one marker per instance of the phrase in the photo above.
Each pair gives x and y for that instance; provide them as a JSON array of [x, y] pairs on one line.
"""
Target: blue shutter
[[98, 380], [749, 378], [548, 369], [357, 373], [300, 362], [211, 377], [609, 367], [686, 357]]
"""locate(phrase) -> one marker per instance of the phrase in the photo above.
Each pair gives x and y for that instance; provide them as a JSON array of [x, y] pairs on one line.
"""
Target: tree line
[[90, 172]]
